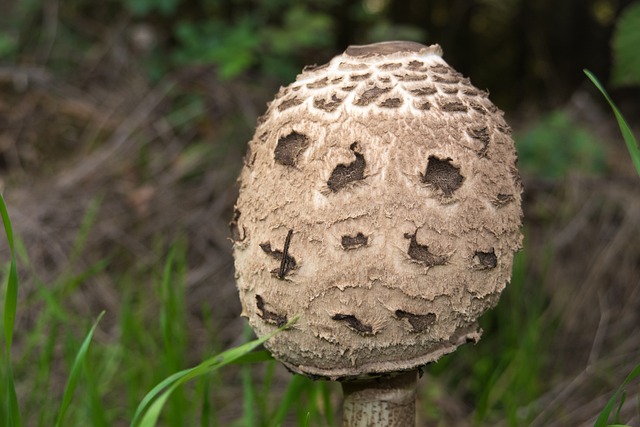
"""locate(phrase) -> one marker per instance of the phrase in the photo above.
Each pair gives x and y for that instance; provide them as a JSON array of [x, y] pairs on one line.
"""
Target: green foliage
[[173, 322], [12, 410], [626, 42], [269, 36], [557, 145], [308, 400], [629, 138], [255, 39], [149, 409], [229, 46], [141, 355], [8, 45], [634, 151], [74, 375], [603, 419]]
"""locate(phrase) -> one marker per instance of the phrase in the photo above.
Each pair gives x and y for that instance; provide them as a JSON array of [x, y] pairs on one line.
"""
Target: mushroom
[[380, 202]]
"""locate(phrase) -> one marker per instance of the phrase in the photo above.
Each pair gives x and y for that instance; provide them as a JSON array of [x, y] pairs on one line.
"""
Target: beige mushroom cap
[[380, 202]]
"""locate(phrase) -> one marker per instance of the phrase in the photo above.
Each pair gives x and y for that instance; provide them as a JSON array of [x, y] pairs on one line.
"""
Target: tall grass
[[634, 152], [149, 409], [141, 377], [11, 410], [74, 375]]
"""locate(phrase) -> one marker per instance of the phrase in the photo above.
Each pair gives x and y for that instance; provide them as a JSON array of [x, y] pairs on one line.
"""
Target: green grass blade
[[325, 394], [13, 409], [253, 357], [76, 369], [249, 401], [205, 409], [621, 400], [173, 324], [606, 412], [11, 299], [172, 309], [10, 307], [249, 396], [155, 392], [98, 411], [149, 409], [291, 397], [157, 398], [629, 139]]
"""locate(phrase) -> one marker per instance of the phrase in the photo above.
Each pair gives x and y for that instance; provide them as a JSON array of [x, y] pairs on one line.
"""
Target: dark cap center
[[384, 48]]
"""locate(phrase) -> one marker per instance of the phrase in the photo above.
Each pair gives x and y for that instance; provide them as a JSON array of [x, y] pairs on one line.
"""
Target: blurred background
[[122, 129]]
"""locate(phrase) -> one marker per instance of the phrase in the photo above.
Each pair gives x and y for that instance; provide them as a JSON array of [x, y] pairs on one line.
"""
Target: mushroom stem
[[381, 402]]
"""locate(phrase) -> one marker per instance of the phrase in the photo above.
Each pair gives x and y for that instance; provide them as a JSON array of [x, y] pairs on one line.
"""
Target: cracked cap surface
[[380, 201]]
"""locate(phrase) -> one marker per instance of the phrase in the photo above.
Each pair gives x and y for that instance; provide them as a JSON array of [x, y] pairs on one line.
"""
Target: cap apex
[[392, 47]]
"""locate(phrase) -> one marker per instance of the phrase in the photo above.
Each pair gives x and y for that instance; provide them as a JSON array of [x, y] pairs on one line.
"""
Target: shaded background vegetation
[[122, 128]]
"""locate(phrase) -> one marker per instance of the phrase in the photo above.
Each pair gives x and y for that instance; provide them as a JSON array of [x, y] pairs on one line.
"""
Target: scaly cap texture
[[380, 201]]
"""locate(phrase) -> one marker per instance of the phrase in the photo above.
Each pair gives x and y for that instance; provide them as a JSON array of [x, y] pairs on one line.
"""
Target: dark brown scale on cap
[[487, 259], [289, 148], [288, 103], [391, 103], [345, 174], [330, 105], [422, 254], [287, 262], [453, 106], [419, 322], [370, 96], [355, 324], [353, 242], [482, 135], [318, 84], [442, 175], [269, 316]]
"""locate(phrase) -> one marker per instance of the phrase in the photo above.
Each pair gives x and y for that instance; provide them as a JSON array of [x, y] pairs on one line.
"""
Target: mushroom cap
[[380, 202]]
